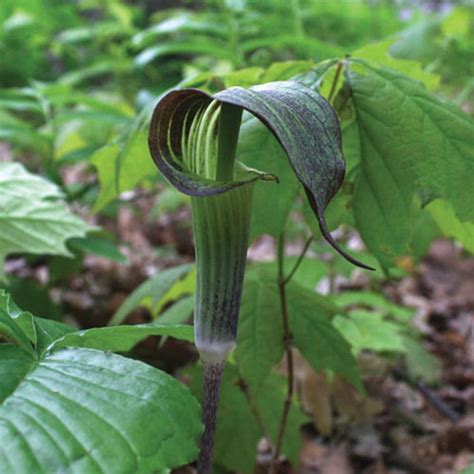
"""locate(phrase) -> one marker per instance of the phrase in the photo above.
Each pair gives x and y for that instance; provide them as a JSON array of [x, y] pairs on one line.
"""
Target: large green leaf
[[271, 202], [315, 336], [30, 223], [121, 338], [410, 143], [81, 410], [260, 334]]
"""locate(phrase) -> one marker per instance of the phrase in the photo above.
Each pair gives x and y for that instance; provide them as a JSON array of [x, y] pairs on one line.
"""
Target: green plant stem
[[287, 337], [300, 259], [212, 375], [339, 67]]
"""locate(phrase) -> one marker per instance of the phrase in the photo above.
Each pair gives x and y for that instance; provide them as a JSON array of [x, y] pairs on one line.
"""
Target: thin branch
[[339, 67], [431, 397], [300, 259], [289, 354]]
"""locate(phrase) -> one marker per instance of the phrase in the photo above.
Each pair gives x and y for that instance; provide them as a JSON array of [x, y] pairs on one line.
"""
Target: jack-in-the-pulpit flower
[[193, 140]]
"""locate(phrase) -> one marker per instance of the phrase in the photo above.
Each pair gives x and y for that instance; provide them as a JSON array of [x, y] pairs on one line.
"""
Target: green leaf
[[198, 46], [121, 338], [412, 144], [40, 332], [379, 53], [56, 412], [181, 22], [179, 312], [237, 431], [29, 223], [48, 331], [285, 70], [8, 306], [419, 41], [420, 363], [367, 299], [38, 227], [314, 335], [468, 470], [97, 245], [370, 330], [11, 331], [260, 333], [269, 403], [16, 181], [121, 166], [184, 286], [271, 202], [32, 296], [156, 288], [25, 137], [444, 216]]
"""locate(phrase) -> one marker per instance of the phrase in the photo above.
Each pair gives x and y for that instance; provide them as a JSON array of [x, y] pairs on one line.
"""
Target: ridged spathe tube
[[221, 227]]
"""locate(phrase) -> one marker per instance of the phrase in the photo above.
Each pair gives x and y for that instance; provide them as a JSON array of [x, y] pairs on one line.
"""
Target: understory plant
[[88, 400], [193, 140]]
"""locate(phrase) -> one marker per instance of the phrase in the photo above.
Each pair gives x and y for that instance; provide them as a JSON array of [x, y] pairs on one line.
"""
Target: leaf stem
[[339, 67], [287, 338], [212, 375], [300, 259]]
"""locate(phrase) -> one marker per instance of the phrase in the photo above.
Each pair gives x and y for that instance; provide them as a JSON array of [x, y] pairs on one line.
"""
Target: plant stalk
[[300, 259], [221, 224], [287, 338], [212, 375], [339, 67]]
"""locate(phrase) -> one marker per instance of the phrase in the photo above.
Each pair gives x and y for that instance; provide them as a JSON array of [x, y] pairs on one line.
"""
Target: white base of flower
[[215, 352]]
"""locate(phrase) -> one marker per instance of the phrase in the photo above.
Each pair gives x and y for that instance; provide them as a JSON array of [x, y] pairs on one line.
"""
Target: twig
[[300, 259], [432, 398], [437, 403], [289, 354]]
